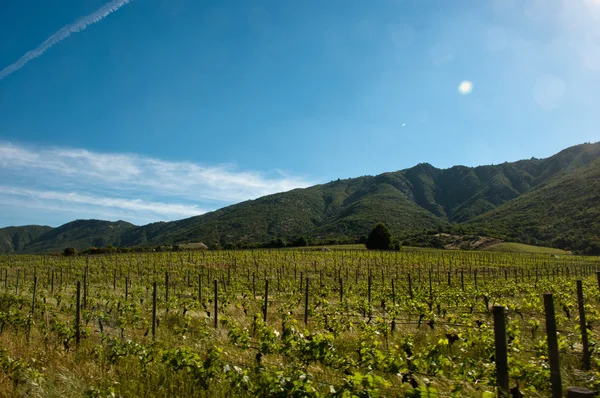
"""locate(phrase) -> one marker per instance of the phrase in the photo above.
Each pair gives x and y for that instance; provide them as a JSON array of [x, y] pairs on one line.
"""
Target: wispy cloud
[[63, 33], [139, 187], [222, 183], [136, 205]]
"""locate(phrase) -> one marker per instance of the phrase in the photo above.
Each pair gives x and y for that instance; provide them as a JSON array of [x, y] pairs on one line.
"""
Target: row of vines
[[279, 323]]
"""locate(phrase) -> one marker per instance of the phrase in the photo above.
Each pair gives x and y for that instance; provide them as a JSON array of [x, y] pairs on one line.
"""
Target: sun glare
[[465, 87]]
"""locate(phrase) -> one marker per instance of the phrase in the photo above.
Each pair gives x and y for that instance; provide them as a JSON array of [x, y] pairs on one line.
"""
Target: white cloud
[[134, 172], [139, 187], [63, 33], [177, 210]]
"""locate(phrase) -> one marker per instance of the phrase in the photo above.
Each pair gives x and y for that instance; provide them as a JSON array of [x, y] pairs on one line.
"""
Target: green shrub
[[380, 238]]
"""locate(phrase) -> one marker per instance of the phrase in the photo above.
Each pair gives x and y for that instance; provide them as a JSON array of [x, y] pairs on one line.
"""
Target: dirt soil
[[467, 242]]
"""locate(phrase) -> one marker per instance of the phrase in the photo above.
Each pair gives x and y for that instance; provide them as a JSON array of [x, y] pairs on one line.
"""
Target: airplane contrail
[[63, 33]]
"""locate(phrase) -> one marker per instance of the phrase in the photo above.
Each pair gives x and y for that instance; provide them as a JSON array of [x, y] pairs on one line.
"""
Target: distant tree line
[[380, 238], [110, 249]]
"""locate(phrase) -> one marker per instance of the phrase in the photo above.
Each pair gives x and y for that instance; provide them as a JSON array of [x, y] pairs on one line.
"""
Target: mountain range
[[553, 201]]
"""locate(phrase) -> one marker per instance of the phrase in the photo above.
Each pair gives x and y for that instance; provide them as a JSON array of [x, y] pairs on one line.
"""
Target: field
[[509, 247], [523, 248], [278, 323]]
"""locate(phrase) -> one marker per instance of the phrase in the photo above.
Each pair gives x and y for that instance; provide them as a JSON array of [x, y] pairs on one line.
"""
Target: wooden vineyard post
[[115, 279], [126, 287], [52, 282], [430, 286], [279, 275], [200, 288], [154, 311], [306, 303], [266, 304], [85, 283], [369, 281], [167, 286], [552, 346], [321, 278], [341, 290], [216, 298], [254, 285], [393, 305], [17, 283], [598, 279], [410, 291], [35, 280], [78, 315], [501, 350], [583, 327]]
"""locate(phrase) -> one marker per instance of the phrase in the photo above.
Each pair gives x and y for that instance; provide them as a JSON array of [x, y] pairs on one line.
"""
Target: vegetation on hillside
[[79, 234], [552, 202], [564, 214], [15, 239]]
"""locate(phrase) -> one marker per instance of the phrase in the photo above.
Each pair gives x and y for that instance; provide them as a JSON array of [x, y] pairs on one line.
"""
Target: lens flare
[[465, 87]]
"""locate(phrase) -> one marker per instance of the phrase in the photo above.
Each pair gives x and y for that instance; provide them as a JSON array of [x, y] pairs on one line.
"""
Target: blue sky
[[164, 109]]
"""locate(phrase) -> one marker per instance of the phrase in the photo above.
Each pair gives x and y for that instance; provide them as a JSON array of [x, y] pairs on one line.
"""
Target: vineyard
[[279, 323]]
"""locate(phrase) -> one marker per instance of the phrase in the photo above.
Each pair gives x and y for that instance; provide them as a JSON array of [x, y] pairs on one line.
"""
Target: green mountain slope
[[461, 193], [345, 207], [565, 213], [535, 200], [80, 234], [14, 239]]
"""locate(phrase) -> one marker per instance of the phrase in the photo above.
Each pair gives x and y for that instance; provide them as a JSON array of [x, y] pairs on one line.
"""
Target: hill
[[564, 214], [340, 208], [540, 201], [81, 234], [15, 239], [408, 201]]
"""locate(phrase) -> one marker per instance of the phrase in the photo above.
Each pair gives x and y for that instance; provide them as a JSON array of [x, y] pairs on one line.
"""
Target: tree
[[436, 242], [276, 243], [69, 251], [299, 242], [380, 238], [593, 247]]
